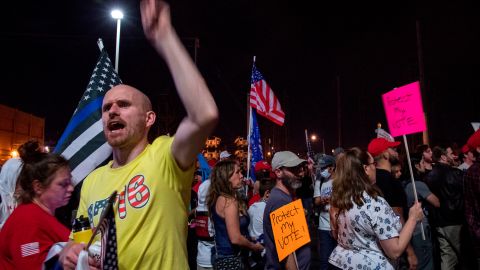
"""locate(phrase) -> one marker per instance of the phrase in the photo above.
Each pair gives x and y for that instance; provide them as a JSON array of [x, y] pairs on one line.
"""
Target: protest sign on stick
[[290, 228], [404, 111]]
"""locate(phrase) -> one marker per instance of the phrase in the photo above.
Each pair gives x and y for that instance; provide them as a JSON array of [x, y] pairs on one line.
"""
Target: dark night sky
[[49, 50]]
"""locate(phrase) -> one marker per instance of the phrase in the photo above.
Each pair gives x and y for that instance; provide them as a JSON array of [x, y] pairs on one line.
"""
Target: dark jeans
[[423, 249], [325, 246]]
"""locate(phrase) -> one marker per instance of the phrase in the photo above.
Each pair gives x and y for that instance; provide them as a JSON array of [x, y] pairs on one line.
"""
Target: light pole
[[314, 138], [118, 15]]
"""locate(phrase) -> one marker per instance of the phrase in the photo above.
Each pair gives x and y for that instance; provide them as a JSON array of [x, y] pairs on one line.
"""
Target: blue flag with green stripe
[[82, 141]]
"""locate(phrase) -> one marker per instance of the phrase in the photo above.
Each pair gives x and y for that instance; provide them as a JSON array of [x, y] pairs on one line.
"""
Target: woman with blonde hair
[[368, 232], [229, 216]]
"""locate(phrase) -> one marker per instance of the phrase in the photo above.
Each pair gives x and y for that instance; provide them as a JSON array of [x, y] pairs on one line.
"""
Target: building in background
[[212, 148], [17, 127], [241, 148]]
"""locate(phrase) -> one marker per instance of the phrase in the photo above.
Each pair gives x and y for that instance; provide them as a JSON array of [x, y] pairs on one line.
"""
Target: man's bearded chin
[[291, 183]]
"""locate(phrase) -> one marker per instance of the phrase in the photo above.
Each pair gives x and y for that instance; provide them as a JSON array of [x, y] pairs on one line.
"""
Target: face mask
[[325, 174]]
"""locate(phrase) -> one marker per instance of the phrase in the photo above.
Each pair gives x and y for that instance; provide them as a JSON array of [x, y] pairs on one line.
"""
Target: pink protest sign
[[404, 110]]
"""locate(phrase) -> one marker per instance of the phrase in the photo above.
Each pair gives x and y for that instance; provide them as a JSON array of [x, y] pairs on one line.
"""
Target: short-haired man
[[153, 181], [468, 157], [445, 182], [426, 153], [287, 167]]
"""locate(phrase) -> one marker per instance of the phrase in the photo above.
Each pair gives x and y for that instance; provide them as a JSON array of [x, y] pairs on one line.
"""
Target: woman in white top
[[367, 230]]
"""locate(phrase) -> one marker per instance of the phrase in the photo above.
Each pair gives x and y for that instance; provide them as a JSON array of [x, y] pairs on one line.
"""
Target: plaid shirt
[[471, 188]]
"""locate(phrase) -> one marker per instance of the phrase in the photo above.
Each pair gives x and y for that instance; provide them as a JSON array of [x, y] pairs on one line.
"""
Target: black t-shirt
[[277, 199], [306, 190], [392, 189]]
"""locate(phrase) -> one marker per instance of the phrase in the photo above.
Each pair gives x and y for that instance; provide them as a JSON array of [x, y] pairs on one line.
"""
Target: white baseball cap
[[286, 159], [224, 154]]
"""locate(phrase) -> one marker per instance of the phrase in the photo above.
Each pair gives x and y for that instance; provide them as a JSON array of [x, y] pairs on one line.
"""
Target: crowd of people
[[365, 210], [361, 203]]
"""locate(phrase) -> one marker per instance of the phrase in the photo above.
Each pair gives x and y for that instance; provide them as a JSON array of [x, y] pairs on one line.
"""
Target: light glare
[[117, 14]]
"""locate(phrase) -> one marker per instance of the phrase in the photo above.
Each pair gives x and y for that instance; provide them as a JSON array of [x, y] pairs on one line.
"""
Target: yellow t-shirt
[[150, 210]]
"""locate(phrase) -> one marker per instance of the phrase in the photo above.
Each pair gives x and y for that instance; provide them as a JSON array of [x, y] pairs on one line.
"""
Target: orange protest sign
[[290, 228]]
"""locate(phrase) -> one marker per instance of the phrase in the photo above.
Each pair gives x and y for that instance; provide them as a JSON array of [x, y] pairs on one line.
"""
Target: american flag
[[263, 99], [108, 230], [82, 141], [30, 249], [382, 133]]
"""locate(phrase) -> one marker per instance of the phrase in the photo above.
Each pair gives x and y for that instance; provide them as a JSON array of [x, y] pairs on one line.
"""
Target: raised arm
[[202, 113]]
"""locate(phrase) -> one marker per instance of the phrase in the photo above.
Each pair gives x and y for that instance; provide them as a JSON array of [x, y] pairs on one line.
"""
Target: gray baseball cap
[[286, 159]]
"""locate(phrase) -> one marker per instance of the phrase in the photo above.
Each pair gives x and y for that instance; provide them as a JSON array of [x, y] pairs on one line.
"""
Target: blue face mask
[[325, 174]]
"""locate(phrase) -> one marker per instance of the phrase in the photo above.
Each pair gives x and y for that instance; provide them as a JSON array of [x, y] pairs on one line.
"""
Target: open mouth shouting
[[115, 126]]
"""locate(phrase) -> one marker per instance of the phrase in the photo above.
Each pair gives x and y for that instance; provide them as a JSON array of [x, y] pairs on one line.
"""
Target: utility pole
[[421, 72], [339, 113]]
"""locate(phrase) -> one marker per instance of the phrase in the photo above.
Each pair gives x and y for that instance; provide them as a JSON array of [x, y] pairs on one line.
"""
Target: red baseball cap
[[262, 165], [474, 140], [465, 149], [212, 162], [379, 145]]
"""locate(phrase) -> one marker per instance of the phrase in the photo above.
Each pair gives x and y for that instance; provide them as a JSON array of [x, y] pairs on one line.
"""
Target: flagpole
[[249, 140], [309, 146], [249, 119], [100, 44]]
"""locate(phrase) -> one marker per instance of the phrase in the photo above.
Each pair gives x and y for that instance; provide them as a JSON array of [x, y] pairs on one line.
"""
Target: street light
[[314, 138], [117, 14]]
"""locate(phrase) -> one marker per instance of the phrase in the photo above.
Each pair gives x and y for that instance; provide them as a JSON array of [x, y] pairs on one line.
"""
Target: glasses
[[373, 163]]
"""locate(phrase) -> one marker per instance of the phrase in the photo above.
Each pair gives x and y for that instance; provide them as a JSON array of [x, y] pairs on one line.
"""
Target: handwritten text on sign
[[404, 110], [289, 228]]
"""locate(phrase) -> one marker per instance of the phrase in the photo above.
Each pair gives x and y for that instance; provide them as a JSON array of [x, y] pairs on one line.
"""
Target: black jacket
[[446, 183]]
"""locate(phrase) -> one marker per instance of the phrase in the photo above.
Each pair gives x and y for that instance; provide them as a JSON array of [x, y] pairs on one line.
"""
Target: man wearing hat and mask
[[384, 154], [321, 194], [471, 191], [288, 168]]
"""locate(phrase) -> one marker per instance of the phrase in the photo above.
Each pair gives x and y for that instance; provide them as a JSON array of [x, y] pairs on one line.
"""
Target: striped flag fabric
[[382, 133], [255, 143], [82, 141], [263, 99], [30, 249], [108, 231]]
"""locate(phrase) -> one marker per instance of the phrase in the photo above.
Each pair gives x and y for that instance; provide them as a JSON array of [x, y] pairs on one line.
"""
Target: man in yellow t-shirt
[[152, 181]]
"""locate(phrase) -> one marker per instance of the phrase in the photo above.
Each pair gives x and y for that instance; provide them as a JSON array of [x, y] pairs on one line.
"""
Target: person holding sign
[[385, 155], [361, 219], [229, 216], [287, 167]]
